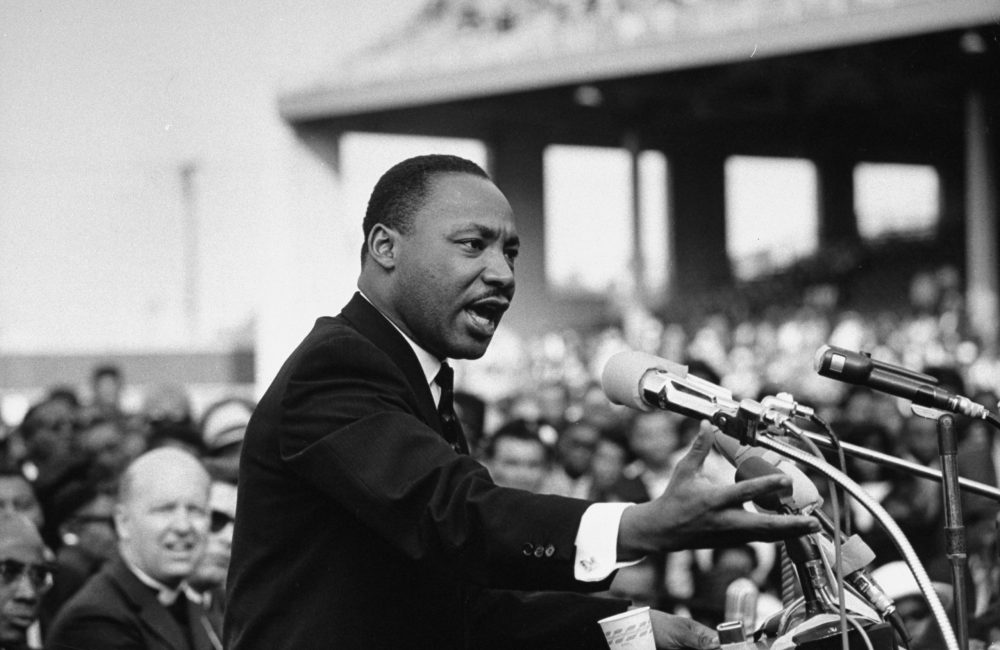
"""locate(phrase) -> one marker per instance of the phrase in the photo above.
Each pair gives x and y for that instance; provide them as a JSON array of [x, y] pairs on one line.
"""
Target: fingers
[[696, 455], [768, 527], [676, 632], [750, 489]]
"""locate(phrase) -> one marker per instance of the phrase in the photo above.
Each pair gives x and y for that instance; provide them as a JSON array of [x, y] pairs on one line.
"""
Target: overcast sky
[[102, 104]]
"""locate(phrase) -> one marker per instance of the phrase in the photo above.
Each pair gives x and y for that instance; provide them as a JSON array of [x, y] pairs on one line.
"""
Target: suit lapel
[[373, 325], [204, 634], [151, 613]]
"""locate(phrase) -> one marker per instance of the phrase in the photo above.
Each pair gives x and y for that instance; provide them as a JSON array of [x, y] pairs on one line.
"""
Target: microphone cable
[[838, 567], [896, 535]]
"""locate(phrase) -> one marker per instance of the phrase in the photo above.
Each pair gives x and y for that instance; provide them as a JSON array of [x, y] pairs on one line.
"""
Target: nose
[[184, 520], [26, 591], [499, 269]]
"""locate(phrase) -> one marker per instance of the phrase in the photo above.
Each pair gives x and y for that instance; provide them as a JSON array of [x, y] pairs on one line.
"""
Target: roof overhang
[[355, 94]]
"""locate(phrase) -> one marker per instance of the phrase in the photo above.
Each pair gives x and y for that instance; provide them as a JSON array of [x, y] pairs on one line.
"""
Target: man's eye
[[474, 244], [512, 253]]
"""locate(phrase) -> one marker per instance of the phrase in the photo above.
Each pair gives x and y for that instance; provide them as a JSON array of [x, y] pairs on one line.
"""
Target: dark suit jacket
[[357, 525], [115, 611]]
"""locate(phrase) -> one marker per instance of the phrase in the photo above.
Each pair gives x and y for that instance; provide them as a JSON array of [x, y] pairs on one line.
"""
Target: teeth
[[480, 320]]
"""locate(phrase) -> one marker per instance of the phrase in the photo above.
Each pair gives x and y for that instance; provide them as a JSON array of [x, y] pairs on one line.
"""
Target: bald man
[[141, 599], [25, 574]]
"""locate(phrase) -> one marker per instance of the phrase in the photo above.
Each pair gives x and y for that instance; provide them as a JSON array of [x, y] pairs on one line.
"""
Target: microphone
[[646, 382], [801, 498], [856, 555], [861, 369]]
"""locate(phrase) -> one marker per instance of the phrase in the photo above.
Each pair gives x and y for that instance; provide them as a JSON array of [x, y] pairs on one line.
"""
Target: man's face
[[454, 271], [107, 390], [654, 438], [214, 564], [53, 434], [16, 496], [20, 593], [94, 527], [164, 522], [518, 463], [103, 443], [576, 447]]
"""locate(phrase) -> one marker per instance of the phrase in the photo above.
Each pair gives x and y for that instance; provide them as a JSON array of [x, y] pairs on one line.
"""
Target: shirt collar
[[429, 364], [164, 594]]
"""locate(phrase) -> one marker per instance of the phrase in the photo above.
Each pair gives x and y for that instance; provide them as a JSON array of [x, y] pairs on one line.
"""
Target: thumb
[[692, 634], [696, 455]]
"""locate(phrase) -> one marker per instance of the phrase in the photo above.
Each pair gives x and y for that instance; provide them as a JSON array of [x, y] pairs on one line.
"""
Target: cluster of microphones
[[646, 382]]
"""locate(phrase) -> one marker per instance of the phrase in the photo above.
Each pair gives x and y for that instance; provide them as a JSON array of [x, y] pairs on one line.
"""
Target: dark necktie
[[179, 610], [446, 409]]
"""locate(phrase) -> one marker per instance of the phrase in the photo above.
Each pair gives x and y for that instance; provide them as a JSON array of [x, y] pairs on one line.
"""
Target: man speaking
[[361, 519]]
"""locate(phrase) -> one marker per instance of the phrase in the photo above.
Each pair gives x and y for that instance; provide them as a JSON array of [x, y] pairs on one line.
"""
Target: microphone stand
[[966, 485], [951, 483], [954, 528]]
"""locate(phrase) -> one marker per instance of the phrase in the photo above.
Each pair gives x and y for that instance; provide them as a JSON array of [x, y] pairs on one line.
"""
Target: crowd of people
[[92, 496], [108, 515]]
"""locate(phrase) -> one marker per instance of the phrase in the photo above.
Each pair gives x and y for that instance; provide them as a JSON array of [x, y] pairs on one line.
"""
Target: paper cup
[[631, 630]]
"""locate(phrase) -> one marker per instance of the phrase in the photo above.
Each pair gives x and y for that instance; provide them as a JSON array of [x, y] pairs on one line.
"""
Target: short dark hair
[[400, 192], [106, 370], [518, 429]]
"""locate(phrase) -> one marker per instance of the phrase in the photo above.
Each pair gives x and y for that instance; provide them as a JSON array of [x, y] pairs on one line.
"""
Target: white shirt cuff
[[597, 542]]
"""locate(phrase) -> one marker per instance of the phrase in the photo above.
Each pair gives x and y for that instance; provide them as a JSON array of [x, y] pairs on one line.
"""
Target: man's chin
[[471, 349]]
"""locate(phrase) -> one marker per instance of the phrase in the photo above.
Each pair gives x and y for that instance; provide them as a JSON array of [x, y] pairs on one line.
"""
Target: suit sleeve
[[350, 427]]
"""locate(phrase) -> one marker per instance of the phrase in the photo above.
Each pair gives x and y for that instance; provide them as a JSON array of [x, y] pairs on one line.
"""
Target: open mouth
[[485, 314], [180, 547]]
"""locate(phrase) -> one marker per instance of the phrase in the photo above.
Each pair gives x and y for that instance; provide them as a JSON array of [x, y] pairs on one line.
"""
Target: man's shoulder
[[103, 590]]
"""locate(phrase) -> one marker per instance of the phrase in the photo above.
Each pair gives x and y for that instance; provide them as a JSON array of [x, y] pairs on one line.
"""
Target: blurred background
[[729, 184], [181, 185]]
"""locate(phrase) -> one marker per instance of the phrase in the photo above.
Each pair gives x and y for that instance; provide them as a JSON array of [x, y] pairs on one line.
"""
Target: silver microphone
[[647, 382]]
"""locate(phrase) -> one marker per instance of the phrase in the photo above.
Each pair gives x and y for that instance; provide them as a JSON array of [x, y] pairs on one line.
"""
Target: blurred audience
[[550, 430], [570, 476], [106, 386], [17, 496], [209, 575], [222, 427], [517, 457], [80, 519], [654, 439], [25, 575], [141, 598]]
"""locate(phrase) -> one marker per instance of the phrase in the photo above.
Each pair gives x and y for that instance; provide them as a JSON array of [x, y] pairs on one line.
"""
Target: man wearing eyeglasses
[[24, 576], [209, 577], [141, 599]]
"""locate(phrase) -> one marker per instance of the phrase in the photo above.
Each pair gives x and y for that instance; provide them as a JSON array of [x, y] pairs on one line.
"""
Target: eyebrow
[[486, 232]]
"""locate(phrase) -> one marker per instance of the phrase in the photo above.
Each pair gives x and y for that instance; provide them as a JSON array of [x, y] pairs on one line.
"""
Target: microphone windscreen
[[756, 467], [622, 376], [820, 358]]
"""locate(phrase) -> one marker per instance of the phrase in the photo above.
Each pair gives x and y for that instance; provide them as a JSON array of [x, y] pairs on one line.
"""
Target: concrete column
[[697, 191], [838, 223], [981, 222]]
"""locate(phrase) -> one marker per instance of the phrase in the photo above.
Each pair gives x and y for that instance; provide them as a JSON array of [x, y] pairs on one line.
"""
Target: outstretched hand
[[696, 511], [677, 632]]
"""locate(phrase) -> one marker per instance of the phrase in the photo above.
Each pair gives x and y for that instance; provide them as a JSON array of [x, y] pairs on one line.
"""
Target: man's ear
[[382, 242], [121, 517]]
